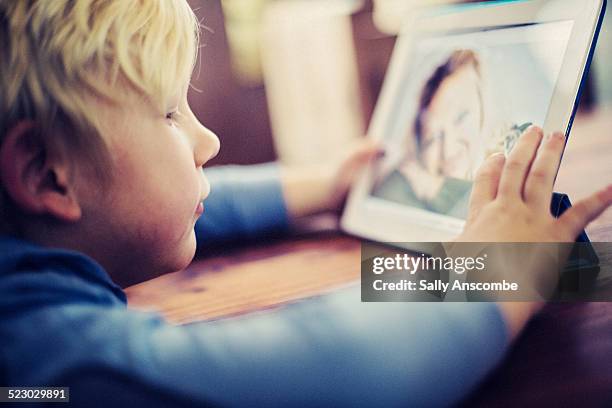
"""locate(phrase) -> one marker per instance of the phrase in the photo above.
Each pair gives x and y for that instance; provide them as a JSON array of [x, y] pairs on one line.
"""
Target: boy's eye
[[171, 116]]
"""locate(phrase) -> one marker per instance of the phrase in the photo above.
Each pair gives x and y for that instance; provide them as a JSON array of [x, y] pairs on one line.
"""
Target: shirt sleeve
[[328, 351], [245, 201], [332, 350]]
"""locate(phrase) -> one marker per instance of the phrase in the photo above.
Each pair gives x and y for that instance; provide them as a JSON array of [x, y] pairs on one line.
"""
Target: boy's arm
[[336, 351], [246, 201], [329, 351]]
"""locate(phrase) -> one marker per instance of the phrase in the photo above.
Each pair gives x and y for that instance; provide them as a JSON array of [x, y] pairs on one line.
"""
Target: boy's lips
[[199, 209]]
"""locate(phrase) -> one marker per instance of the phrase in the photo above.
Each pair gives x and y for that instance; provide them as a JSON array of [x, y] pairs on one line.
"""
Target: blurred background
[[295, 80]]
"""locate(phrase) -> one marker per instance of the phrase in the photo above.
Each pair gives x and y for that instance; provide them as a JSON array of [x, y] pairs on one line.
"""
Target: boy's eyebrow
[[178, 98]]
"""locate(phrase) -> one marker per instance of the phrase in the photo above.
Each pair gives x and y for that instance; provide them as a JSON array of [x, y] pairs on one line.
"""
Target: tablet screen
[[464, 97]]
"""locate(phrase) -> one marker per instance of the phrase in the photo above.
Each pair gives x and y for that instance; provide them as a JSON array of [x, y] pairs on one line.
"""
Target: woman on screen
[[448, 141]]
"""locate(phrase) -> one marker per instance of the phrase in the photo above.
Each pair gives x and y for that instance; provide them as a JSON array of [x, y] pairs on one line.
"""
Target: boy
[[101, 176]]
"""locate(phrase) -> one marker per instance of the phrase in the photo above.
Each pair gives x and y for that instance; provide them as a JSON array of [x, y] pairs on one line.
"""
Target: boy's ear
[[36, 184]]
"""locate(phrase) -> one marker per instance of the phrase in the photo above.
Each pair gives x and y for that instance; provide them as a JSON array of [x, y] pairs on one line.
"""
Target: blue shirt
[[63, 322]]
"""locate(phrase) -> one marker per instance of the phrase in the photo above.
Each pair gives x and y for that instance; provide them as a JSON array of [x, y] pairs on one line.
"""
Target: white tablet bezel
[[384, 221]]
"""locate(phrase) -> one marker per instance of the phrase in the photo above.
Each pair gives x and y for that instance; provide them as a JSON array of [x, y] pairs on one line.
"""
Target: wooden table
[[564, 356]]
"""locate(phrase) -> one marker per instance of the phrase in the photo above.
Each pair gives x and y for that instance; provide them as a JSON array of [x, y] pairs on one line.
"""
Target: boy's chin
[[184, 255], [176, 258]]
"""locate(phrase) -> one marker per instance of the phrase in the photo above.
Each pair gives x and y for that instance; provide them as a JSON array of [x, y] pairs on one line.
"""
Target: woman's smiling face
[[452, 127]]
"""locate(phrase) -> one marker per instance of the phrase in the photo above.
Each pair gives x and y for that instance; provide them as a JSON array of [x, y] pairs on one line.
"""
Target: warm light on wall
[[389, 14], [243, 26]]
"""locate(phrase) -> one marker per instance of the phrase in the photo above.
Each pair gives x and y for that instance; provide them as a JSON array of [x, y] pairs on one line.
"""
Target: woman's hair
[[55, 54], [458, 60]]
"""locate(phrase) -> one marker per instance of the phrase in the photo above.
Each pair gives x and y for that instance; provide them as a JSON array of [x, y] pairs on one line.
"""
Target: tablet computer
[[465, 82]]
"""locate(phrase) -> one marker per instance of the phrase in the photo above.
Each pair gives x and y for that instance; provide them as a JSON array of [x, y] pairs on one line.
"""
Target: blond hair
[[56, 53]]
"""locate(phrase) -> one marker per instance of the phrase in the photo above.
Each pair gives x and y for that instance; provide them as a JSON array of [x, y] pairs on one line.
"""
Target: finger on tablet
[[518, 163], [486, 182], [541, 177], [585, 211]]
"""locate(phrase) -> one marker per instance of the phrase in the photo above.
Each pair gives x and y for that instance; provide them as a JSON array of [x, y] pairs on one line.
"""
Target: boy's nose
[[207, 146]]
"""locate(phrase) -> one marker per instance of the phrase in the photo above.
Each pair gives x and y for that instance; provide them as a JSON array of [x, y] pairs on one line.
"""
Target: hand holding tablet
[[510, 200]]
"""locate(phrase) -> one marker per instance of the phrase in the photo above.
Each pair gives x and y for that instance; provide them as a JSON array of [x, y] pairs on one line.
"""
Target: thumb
[[364, 153], [351, 168], [585, 211]]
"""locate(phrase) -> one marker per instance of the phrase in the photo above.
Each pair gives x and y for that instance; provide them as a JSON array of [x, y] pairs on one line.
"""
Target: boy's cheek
[[157, 213], [170, 227], [167, 244]]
